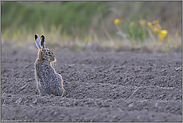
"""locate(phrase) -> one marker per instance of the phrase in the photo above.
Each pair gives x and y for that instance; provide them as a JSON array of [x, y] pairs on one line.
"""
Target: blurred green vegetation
[[69, 15], [79, 15], [86, 20]]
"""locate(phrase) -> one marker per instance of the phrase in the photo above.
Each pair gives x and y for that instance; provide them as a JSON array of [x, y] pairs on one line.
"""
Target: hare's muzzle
[[53, 58]]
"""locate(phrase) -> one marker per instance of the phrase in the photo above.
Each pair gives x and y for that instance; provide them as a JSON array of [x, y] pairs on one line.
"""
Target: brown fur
[[40, 55], [48, 80]]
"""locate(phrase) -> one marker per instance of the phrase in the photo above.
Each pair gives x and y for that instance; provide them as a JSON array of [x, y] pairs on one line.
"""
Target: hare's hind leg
[[64, 93], [58, 91], [39, 89], [42, 92]]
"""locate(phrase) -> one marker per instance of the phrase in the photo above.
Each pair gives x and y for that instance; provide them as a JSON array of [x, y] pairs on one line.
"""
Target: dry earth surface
[[101, 86]]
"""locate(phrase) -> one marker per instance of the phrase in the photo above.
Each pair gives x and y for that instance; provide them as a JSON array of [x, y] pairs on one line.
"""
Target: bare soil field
[[100, 86]]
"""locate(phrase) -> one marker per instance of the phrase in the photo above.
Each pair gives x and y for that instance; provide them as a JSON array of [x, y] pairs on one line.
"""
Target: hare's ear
[[37, 41], [42, 41]]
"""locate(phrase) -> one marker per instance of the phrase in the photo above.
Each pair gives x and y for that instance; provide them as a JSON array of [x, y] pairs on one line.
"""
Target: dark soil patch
[[101, 86]]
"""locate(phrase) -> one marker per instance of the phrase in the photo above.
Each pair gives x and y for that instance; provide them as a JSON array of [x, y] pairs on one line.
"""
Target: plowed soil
[[100, 86]]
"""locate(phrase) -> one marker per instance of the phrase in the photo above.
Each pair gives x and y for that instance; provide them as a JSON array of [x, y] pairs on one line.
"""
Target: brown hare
[[48, 81]]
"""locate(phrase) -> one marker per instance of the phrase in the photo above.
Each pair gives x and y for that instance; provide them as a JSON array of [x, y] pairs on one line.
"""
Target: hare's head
[[43, 53]]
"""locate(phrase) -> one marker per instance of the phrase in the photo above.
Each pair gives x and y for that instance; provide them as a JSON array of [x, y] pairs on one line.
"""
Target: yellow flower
[[156, 30], [158, 26], [142, 23], [149, 24], [117, 21], [155, 22], [131, 24], [162, 34]]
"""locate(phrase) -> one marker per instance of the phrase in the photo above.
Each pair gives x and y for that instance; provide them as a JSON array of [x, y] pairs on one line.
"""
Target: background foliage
[[83, 19]]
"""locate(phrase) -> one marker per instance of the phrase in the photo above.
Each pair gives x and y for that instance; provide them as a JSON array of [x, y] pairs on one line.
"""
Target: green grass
[[82, 24]]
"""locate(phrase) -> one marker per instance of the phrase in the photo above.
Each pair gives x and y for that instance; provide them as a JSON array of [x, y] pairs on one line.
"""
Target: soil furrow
[[174, 107], [100, 86], [65, 114]]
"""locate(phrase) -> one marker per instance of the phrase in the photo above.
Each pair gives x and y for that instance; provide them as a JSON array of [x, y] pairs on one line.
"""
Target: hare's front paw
[[64, 93], [42, 93]]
